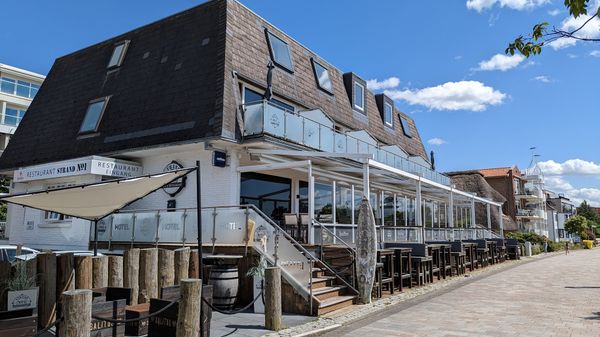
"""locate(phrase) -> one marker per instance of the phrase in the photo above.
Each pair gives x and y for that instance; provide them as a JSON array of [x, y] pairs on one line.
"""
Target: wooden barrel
[[224, 280]]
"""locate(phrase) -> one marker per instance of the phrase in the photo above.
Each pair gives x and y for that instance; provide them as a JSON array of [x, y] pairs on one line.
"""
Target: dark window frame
[[314, 66], [268, 35], [125, 44], [405, 126], [105, 99]]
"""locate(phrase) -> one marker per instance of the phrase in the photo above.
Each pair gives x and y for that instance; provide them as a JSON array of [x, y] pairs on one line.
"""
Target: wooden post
[[131, 271], [194, 270], [182, 264], [65, 275], [148, 275], [5, 268], [273, 298], [188, 319], [115, 271], [99, 271], [46, 266], [83, 272], [77, 313], [166, 268]]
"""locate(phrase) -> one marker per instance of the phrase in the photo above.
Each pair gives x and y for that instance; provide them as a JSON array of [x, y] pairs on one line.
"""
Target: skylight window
[[93, 115], [359, 96], [280, 52], [118, 55], [405, 127], [388, 114], [322, 77]]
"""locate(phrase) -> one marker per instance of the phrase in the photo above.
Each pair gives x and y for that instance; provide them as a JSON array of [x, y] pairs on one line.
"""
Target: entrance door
[[271, 194]]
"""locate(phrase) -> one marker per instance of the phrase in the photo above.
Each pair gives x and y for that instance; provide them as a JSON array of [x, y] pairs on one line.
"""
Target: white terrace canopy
[[368, 175], [97, 200]]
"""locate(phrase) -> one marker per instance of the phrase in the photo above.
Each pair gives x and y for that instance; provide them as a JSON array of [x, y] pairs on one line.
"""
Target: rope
[[123, 321], [39, 333], [234, 311]]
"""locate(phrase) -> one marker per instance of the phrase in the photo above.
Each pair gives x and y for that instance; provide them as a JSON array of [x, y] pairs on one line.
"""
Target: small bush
[[536, 249], [555, 246]]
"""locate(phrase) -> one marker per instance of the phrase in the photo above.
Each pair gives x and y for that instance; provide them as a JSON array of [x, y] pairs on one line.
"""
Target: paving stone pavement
[[555, 296]]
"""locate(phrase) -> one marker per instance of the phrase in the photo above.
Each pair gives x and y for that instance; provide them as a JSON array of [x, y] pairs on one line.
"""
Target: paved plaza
[[553, 296]]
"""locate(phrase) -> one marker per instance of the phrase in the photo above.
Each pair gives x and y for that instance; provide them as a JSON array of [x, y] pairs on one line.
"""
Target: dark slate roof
[[168, 89]]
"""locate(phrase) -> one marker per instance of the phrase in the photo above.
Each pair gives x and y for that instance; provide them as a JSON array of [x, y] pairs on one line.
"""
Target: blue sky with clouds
[[442, 61]]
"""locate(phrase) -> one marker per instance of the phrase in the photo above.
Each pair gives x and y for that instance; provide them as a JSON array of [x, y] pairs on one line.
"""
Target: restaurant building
[[303, 147]]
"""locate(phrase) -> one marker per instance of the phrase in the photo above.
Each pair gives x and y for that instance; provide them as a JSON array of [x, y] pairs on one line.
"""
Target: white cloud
[[554, 12], [458, 57], [481, 5], [576, 167], [595, 53], [436, 141], [542, 78], [463, 95], [388, 83], [559, 185], [501, 62], [590, 30], [572, 56]]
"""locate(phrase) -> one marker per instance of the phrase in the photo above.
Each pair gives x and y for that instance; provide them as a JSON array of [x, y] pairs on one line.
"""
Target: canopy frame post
[[199, 228], [96, 237]]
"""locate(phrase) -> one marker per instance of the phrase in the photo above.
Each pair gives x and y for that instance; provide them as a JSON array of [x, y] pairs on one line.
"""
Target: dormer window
[[322, 77], [280, 52], [388, 114], [405, 127], [359, 97], [93, 115], [118, 54]]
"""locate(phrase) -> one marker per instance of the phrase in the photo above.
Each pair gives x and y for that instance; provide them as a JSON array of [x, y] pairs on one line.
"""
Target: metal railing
[[325, 236], [267, 118]]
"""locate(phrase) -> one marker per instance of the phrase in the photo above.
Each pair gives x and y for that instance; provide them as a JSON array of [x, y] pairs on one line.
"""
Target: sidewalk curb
[[319, 331]]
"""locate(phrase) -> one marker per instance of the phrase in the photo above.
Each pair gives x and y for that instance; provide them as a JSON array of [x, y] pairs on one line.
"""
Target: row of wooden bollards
[[77, 311], [144, 271]]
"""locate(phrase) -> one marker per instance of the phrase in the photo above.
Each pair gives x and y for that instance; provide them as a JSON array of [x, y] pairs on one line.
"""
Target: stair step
[[320, 282], [325, 293], [335, 303]]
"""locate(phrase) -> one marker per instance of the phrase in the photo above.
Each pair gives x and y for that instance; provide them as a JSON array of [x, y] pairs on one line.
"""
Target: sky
[[441, 61]]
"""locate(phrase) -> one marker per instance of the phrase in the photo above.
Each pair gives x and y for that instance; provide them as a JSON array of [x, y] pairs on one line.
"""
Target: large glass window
[[343, 204], [118, 54], [359, 96], [322, 77], [388, 210], [280, 52], [93, 115], [400, 210], [428, 213], [324, 202], [13, 116], [405, 127], [388, 113], [271, 194], [251, 96], [18, 87], [411, 209]]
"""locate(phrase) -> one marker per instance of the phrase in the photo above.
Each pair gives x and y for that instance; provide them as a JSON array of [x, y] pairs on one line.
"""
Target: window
[[118, 55], [18, 87], [93, 115], [405, 127], [251, 96], [271, 194], [12, 116], [280, 52], [322, 77], [359, 96], [388, 114]]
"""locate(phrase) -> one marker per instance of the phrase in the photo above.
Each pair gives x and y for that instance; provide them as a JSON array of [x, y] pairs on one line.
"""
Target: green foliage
[[259, 269], [577, 225], [522, 237], [4, 184], [20, 280], [586, 211], [577, 7], [555, 246], [536, 249]]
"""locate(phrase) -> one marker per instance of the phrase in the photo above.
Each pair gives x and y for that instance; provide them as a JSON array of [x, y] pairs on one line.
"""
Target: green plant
[[555, 246], [536, 249], [259, 269], [20, 279]]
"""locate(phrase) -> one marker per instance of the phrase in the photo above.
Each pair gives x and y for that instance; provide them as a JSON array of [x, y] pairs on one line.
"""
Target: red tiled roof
[[499, 172]]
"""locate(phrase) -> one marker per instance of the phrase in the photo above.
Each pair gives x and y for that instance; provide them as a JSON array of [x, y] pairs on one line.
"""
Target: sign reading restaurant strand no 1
[[97, 165]]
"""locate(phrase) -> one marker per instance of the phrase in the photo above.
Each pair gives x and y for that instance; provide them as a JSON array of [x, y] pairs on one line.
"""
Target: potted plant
[[258, 274], [22, 292]]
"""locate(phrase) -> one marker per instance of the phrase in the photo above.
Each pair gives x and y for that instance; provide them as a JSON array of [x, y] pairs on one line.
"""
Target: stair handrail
[[298, 245], [349, 248]]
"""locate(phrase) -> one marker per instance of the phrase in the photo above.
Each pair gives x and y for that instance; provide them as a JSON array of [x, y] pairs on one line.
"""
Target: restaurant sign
[[97, 165]]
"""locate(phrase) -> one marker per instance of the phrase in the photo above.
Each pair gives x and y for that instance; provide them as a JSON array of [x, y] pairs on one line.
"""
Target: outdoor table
[[471, 254], [421, 262], [403, 266], [446, 254], [492, 246], [386, 256], [435, 251]]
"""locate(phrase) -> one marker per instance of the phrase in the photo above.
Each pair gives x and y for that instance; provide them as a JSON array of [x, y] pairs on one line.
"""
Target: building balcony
[[535, 214], [264, 118], [530, 194]]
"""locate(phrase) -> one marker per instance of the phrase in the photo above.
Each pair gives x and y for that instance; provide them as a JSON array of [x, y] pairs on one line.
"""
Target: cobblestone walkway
[[556, 296]]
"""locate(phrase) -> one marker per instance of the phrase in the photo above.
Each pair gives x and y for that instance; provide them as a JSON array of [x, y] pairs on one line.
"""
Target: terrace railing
[[266, 118]]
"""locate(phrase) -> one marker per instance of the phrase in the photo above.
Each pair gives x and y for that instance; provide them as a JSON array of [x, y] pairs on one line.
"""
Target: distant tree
[[4, 184], [577, 225], [586, 211], [541, 35]]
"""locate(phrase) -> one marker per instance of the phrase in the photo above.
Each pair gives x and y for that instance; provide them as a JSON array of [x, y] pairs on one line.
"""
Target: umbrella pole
[[95, 237], [199, 224]]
